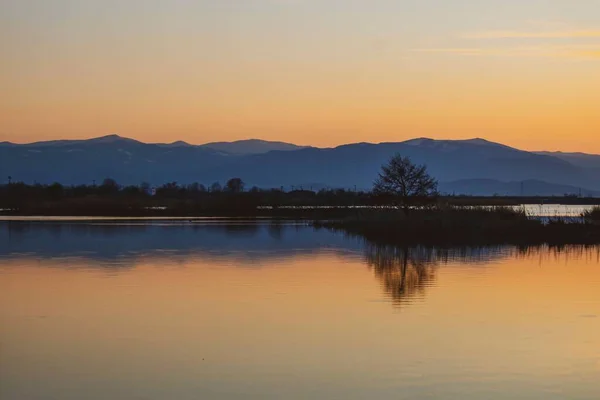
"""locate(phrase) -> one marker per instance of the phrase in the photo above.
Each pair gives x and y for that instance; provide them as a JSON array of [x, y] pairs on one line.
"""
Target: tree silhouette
[[109, 186], [234, 185], [196, 188], [403, 179], [215, 187], [110, 183]]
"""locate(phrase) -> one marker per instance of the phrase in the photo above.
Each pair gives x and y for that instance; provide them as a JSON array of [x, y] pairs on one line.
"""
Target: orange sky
[[310, 72]]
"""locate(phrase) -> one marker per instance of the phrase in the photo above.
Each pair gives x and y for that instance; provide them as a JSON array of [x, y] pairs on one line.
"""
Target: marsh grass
[[592, 216], [449, 225]]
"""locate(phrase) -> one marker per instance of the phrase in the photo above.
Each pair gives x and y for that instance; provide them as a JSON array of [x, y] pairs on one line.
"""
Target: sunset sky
[[318, 72]]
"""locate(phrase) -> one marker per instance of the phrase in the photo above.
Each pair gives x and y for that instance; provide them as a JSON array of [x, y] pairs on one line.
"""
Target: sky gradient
[[317, 72]]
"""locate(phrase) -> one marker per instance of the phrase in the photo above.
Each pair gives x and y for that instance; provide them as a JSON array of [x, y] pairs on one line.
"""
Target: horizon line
[[183, 142]]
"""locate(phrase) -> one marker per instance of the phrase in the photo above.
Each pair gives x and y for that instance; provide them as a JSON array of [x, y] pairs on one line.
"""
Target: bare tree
[[403, 179]]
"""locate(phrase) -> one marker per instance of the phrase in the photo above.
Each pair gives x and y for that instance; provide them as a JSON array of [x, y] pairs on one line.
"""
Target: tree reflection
[[404, 272]]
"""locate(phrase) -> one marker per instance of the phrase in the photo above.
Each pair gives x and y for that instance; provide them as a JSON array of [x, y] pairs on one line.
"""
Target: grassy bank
[[458, 226]]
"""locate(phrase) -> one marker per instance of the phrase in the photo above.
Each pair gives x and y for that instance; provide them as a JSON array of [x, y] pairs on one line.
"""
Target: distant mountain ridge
[[238, 147], [580, 159], [252, 146], [469, 165]]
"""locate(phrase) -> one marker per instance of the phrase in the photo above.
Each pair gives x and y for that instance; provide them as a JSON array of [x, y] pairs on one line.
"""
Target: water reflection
[[557, 253], [405, 272], [119, 245], [124, 244], [168, 310]]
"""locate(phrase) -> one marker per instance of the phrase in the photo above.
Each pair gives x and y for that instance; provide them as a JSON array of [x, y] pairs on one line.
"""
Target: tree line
[[399, 177], [400, 183], [110, 198], [110, 187]]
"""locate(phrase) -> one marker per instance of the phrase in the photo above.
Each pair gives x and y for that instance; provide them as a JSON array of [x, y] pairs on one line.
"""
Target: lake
[[219, 309]]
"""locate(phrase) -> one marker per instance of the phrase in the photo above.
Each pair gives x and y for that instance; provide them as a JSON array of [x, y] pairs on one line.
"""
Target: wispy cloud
[[492, 51], [572, 52], [548, 39], [573, 34], [455, 50]]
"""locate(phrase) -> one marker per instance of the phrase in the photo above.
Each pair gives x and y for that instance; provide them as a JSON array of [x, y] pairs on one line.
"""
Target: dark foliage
[[173, 199], [458, 226], [592, 216], [234, 185]]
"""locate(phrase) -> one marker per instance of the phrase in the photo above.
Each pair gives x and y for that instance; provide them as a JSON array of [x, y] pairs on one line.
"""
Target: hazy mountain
[[251, 146], [579, 159], [84, 161], [114, 139], [131, 162], [358, 164]]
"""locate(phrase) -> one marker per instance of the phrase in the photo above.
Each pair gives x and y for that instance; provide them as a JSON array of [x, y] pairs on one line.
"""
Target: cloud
[[569, 44], [491, 51], [574, 34], [571, 52], [456, 50]]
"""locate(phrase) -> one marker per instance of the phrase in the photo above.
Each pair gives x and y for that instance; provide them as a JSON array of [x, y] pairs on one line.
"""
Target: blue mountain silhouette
[[275, 164]]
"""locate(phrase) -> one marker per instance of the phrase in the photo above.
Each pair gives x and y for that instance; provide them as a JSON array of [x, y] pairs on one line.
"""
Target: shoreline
[[442, 226]]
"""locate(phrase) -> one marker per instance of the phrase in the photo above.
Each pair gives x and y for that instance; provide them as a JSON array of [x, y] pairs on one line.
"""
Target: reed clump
[[450, 225], [592, 216]]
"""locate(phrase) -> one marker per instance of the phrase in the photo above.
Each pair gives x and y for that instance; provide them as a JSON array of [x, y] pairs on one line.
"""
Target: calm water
[[214, 310]]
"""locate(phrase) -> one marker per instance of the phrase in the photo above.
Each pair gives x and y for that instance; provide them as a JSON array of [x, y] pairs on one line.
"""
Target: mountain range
[[474, 166]]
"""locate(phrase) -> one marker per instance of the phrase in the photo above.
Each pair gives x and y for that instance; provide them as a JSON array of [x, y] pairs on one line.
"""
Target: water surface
[[165, 309]]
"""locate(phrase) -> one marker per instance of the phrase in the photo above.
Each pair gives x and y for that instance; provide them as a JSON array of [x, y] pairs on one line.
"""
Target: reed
[[461, 225]]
